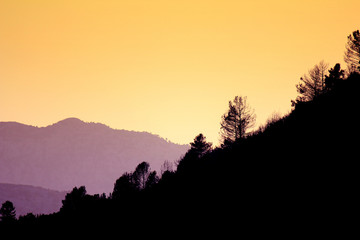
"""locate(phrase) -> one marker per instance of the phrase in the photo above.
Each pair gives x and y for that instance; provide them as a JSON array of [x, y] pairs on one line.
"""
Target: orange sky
[[166, 67]]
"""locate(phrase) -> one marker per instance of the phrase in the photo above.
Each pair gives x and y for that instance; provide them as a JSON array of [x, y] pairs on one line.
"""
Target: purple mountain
[[29, 199], [73, 153]]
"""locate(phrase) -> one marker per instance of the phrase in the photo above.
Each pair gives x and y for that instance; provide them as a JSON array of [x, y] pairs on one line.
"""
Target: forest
[[293, 176]]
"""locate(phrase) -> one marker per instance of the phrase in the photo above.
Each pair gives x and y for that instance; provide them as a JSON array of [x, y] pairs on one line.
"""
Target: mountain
[[72, 153], [29, 199]]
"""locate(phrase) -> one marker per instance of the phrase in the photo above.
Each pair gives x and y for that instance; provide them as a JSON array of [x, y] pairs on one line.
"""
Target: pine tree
[[7, 212], [200, 146], [239, 118], [352, 52], [336, 74], [312, 84]]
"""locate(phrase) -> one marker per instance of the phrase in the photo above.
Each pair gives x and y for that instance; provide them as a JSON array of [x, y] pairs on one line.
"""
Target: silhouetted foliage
[[312, 84], [336, 74], [273, 119], [29, 218], [167, 166], [124, 186], [239, 118], [73, 200], [151, 180], [7, 212], [141, 175], [130, 183], [352, 52], [200, 146]]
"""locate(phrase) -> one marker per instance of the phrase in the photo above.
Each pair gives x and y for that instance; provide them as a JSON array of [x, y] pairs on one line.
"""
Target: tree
[[190, 162], [124, 186], [73, 199], [167, 166], [130, 183], [29, 218], [141, 174], [200, 146], [352, 52], [336, 74], [7, 212], [239, 118], [312, 84], [151, 180]]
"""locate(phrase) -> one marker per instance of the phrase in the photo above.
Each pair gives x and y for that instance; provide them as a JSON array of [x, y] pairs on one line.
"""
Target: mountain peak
[[70, 122], [72, 153]]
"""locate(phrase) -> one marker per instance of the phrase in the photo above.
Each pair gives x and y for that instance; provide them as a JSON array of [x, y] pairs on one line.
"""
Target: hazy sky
[[164, 66]]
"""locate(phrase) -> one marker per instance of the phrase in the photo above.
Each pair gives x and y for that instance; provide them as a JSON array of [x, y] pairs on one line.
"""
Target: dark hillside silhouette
[[295, 176]]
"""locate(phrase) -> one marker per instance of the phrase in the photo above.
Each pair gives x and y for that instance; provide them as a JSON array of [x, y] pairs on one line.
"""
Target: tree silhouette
[[167, 166], [73, 199], [124, 186], [336, 74], [7, 212], [200, 146], [239, 118], [352, 52], [151, 180], [27, 219], [312, 84], [198, 149], [130, 183], [143, 176]]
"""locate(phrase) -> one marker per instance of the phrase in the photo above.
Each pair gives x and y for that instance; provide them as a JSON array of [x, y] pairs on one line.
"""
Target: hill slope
[[72, 153], [296, 177], [29, 199]]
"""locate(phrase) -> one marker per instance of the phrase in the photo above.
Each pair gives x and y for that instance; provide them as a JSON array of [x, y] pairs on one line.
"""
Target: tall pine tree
[[237, 121], [352, 52]]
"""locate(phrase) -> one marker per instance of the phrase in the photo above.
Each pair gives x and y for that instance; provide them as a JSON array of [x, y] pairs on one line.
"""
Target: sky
[[161, 66]]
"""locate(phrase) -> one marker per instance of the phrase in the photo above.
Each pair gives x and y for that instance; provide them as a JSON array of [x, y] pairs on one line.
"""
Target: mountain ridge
[[72, 121], [72, 152], [31, 199]]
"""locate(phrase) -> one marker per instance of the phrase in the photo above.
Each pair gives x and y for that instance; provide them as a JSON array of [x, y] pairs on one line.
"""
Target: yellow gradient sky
[[164, 66]]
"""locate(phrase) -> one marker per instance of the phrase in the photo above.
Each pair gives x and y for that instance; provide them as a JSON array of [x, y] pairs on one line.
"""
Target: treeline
[[296, 173]]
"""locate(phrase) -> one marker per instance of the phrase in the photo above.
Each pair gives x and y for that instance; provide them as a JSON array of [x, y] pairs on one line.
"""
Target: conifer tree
[[336, 74], [312, 84], [7, 212], [200, 146], [239, 118], [352, 52], [141, 174]]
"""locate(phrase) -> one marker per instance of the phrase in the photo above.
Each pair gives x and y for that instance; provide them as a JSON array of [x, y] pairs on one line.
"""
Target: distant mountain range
[[73, 153], [29, 199]]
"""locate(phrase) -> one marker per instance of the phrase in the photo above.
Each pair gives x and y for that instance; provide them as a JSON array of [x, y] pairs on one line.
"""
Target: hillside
[[296, 176], [73, 153], [30, 199]]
